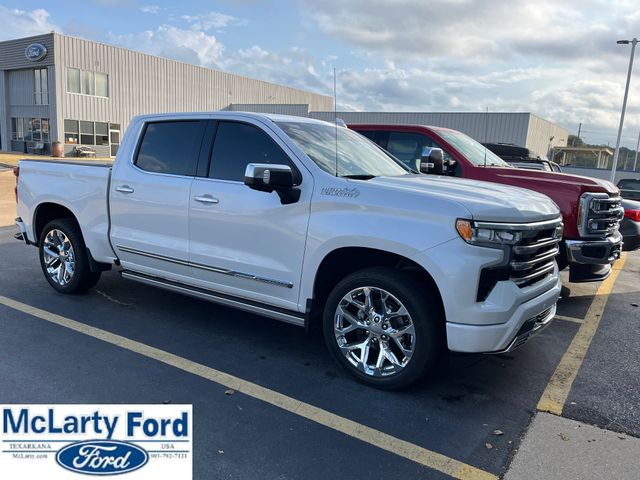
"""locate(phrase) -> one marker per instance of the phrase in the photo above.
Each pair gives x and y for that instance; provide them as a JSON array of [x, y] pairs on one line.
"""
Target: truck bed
[[80, 186]]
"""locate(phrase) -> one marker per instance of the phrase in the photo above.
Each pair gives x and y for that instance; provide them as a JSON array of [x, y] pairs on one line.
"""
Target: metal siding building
[[524, 129], [98, 88]]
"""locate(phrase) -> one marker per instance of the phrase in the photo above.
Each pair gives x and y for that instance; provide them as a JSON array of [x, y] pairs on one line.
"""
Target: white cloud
[[21, 23], [152, 9], [168, 41], [212, 21]]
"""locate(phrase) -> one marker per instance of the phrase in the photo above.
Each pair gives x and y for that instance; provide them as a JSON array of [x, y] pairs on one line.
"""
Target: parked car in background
[[591, 208], [630, 188], [521, 157], [630, 225], [265, 214]]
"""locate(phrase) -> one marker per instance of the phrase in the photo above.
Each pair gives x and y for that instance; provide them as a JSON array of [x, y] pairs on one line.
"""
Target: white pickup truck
[[305, 222]]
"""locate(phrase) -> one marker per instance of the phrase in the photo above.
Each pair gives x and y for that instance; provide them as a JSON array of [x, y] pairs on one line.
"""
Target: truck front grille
[[529, 261], [534, 257], [599, 215]]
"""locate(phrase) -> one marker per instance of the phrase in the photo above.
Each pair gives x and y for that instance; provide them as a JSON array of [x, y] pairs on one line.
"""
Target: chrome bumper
[[530, 328], [595, 252]]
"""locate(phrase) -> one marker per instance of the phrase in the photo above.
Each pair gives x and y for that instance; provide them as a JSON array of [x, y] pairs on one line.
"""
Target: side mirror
[[432, 161], [266, 177]]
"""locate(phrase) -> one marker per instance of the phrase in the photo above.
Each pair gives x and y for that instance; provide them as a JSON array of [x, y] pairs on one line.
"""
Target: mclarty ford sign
[[62, 441], [35, 52]]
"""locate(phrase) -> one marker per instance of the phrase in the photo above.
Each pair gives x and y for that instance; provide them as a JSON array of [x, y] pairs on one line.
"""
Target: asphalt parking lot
[[437, 429]]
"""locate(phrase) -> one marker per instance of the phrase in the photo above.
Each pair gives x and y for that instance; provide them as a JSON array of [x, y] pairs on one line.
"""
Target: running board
[[220, 298]]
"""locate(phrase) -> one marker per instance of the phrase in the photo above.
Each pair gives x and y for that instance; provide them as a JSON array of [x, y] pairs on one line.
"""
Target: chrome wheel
[[374, 331], [59, 257]]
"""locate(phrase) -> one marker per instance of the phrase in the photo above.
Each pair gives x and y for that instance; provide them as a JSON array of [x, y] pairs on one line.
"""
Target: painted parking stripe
[[557, 390], [371, 436], [569, 319]]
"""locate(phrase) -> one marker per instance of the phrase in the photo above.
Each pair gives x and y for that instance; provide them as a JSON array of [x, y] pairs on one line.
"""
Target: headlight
[[488, 237]]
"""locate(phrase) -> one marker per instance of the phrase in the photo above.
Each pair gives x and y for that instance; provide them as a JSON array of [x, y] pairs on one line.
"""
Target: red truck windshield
[[474, 151]]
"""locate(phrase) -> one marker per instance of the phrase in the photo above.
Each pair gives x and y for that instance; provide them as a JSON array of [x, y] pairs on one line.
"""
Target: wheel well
[[47, 212], [344, 261]]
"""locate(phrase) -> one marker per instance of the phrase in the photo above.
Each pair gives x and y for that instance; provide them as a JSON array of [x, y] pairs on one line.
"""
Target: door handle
[[206, 199], [124, 189]]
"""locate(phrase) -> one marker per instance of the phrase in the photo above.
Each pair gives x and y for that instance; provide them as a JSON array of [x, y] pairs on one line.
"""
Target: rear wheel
[[64, 258], [384, 327]]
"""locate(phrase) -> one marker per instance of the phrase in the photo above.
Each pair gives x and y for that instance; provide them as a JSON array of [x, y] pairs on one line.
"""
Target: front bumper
[[630, 231], [595, 252], [527, 319], [590, 260]]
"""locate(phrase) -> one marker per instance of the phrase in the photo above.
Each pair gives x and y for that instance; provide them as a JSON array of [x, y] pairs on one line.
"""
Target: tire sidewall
[[425, 314]]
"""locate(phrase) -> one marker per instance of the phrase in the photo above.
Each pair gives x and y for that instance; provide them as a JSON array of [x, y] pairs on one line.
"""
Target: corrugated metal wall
[[539, 136], [140, 83], [298, 110]]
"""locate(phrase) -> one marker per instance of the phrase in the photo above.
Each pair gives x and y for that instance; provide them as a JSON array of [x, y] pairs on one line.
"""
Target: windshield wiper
[[359, 177]]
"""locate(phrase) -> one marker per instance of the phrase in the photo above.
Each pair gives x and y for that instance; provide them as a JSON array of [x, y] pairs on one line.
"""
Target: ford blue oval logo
[[102, 457], [35, 52]]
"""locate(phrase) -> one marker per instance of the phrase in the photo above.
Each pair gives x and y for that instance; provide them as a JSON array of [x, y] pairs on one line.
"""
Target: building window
[[71, 132], [87, 133], [73, 80], [41, 86], [30, 129], [87, 82], [102, 133], [102, 85]]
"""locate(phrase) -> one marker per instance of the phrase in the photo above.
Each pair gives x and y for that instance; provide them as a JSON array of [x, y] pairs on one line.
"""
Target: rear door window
[[171, 147]]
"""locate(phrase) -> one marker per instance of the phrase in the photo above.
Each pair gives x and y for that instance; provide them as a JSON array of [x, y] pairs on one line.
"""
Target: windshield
[[357, 156], [474, 151]]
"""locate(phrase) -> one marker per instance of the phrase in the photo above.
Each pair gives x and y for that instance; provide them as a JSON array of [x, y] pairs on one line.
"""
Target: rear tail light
[[633, 215], [16, 172]]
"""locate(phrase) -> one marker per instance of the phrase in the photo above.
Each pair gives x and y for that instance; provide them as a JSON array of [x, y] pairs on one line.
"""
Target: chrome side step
[[276, 313]]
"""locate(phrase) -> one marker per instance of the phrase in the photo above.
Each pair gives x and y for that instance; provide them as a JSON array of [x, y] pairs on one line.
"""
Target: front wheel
[[384, 326], [64, 258]]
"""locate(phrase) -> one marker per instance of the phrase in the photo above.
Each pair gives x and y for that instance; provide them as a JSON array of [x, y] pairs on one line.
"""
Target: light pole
[[633, 43], [635, 160]]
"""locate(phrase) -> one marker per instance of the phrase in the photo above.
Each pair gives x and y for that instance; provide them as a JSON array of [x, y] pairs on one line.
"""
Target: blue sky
[[556, 58]]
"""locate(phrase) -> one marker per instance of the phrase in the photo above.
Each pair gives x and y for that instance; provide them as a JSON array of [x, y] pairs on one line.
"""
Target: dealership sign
[[62, 441], [35, 52]]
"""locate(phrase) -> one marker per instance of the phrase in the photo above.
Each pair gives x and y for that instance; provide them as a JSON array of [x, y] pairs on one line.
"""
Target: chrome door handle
[[206, 199], [124, 189]]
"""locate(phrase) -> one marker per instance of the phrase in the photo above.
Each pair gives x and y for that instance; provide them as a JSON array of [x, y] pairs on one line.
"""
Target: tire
[[64, 258], [415, 341]]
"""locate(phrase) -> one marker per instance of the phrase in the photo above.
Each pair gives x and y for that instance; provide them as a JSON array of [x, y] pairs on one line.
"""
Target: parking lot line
[[371, 436], [569, 319], [557, 390]]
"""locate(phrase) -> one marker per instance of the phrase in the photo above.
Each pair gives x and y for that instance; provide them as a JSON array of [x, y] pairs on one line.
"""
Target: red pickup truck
[[591, 208]]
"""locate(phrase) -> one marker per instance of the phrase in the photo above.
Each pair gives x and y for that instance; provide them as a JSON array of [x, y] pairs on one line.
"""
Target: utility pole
[[633, 43], [635, 160], [579, 130]]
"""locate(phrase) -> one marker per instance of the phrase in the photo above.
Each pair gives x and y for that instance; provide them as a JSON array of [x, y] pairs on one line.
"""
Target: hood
[[485, 201], [535, 179]]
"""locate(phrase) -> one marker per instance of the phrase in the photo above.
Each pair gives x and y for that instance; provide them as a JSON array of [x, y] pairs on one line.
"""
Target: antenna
[[486, 133], [335, 114]]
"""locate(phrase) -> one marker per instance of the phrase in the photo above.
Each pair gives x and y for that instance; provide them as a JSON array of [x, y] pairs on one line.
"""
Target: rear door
[[244, 242], [149, 198]]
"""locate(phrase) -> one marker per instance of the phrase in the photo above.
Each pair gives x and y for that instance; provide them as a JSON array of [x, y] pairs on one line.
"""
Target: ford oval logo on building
[[35, 52], [102, 457]]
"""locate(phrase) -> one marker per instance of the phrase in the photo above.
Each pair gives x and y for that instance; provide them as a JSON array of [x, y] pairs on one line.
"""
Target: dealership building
[[78, 92]]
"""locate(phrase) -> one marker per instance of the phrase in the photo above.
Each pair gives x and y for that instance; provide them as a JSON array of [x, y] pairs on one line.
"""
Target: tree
[[575, 141]]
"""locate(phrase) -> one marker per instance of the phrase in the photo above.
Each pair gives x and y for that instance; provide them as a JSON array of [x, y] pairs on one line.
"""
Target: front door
[[244, 242]]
